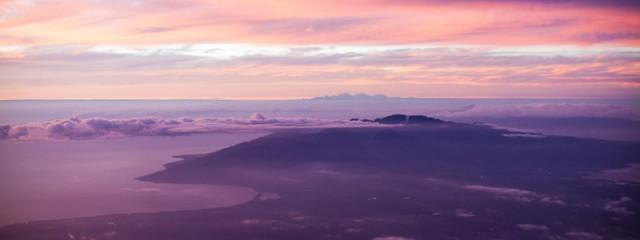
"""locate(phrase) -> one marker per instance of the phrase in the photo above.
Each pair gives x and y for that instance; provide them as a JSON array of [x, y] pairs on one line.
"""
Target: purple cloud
[[515, 194], [615, 206], [581, 235], [463, 213], [502, 191], [533, 227], [78, 129]]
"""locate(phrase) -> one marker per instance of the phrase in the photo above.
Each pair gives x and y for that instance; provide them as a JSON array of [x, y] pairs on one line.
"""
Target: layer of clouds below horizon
[[50, 120], [96, 128], [342, 106]]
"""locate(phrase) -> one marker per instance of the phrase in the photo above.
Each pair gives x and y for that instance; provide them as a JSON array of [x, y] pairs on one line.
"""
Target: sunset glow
[[199, 49]]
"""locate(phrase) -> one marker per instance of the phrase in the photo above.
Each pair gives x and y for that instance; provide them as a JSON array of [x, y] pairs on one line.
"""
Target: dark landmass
[[401, 119], [434, 180]]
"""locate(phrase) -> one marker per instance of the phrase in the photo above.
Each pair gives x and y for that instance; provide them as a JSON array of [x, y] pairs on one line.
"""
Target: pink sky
[[116, 49]]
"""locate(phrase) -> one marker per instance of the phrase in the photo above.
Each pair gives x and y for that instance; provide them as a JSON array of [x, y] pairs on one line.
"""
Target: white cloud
[[533, 227], [615, 206], [515, 194], [269, 196], [579, 235], [553, 201], [256, 221], [463, 213], [93, 128], [525, 135], [257, 117], [502, 191], [143, 190]]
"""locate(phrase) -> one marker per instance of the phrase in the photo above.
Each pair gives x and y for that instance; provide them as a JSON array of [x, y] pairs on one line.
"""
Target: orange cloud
[[251, 49], [314, 22]]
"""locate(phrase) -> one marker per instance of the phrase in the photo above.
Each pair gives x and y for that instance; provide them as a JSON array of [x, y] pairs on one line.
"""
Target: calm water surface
[[50, 180]]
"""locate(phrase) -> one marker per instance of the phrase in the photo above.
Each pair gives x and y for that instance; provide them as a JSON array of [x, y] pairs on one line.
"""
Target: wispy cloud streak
[[313, 22], [419, 71]]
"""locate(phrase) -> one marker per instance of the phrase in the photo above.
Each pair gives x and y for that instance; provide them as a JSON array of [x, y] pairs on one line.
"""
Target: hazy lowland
[[337, 175]]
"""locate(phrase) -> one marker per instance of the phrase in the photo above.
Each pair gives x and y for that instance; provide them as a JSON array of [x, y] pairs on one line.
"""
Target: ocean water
[[50, 180], [68, 158]]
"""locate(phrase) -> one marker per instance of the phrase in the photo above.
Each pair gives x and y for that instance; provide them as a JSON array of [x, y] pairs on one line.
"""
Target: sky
[[205, 49]]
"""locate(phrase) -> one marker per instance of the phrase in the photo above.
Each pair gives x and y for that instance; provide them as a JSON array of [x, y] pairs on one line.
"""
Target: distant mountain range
[[347, 96]]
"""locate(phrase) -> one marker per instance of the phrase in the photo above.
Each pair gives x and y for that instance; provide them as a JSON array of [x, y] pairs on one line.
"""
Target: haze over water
[[51, 180]]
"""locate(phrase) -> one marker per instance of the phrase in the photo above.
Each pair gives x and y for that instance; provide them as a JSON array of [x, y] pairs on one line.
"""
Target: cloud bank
[[565, 109], [94, 128]]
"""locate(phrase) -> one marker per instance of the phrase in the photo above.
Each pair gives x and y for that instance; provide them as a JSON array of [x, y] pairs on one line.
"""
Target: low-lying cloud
[[581, 109], [617, 206], [524, 135], [533, 227], [502, 191], [581, 235], [94, 128], [515, 194]]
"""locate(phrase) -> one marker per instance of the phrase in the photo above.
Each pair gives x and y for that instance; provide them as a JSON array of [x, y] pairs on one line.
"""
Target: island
[[402, 177]]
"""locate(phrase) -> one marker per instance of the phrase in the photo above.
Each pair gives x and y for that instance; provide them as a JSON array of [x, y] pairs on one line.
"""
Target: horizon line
[[328, 97]]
